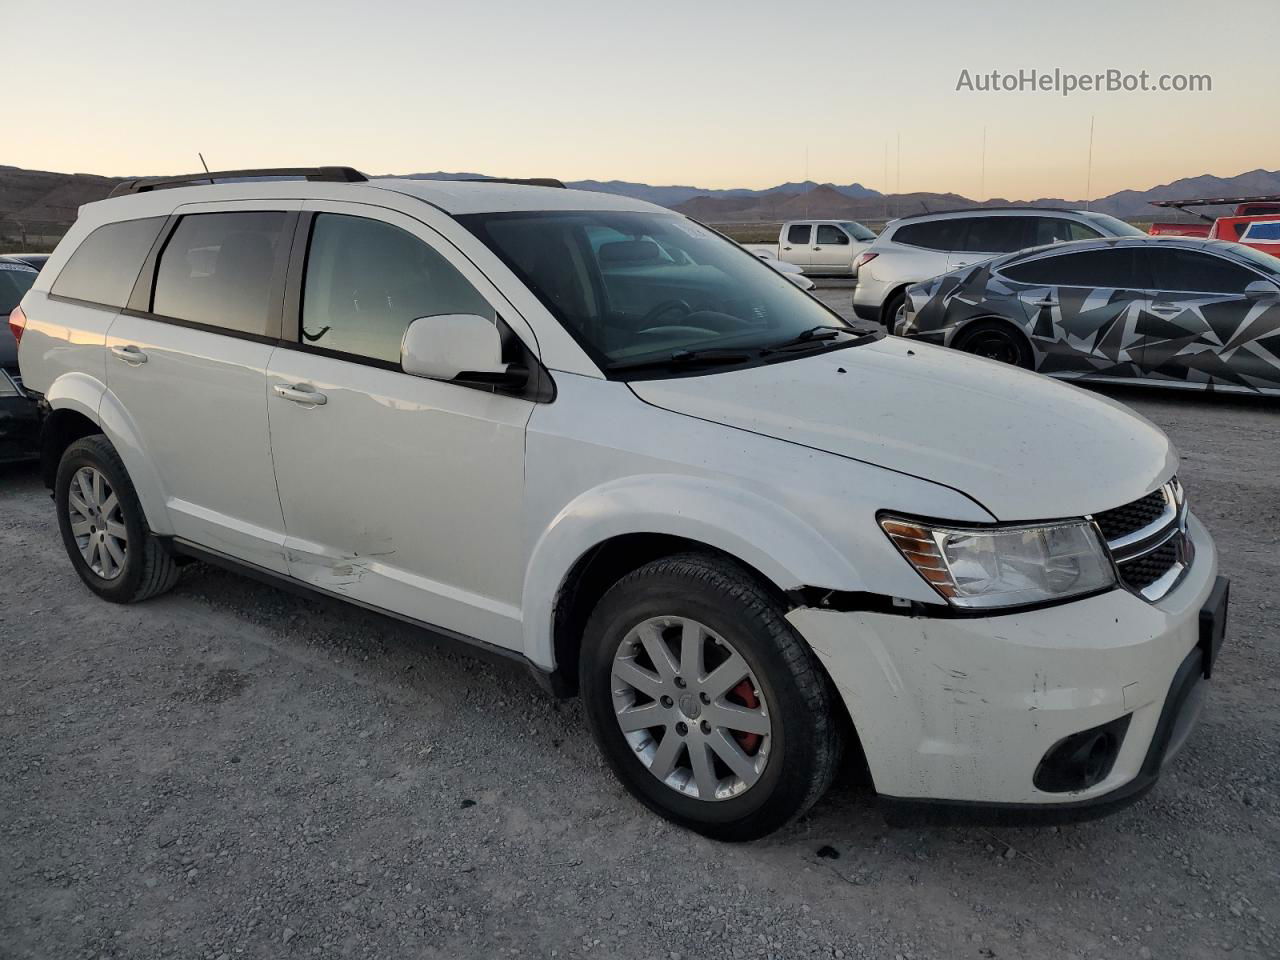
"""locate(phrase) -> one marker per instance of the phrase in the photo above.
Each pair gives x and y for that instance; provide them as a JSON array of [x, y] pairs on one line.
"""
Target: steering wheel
[[664, 307]]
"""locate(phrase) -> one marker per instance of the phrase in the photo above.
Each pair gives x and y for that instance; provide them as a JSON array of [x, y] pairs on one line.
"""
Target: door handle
[[786, 248], [1169, 309], [129, 353], [300, 394], [1046, 302], [817, 248]]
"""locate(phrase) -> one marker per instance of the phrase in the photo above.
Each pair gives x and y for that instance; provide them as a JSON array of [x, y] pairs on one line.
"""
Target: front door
[[190, 369], [398, 491], [831, 248], [1207, 324]]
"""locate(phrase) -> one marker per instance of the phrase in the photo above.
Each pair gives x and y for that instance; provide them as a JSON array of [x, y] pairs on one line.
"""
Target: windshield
[[15, 281], [1112, 226], [631, 287], [857, 230]]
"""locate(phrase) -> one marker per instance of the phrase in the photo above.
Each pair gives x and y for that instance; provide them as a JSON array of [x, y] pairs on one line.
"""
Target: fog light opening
[[1083, 759]]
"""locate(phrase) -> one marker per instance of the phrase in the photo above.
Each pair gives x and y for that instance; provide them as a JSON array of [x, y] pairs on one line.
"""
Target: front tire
[[103, 527], [705, 702]]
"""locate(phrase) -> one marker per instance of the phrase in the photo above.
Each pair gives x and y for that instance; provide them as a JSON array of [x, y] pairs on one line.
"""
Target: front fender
[[759, 532], [90, 397]]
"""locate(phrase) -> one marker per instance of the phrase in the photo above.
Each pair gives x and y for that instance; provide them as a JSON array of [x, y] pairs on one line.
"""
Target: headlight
[[1004, 566]]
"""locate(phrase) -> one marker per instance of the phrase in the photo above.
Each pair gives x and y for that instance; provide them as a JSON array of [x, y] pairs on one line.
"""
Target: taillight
[[863, 259], [17, 323]]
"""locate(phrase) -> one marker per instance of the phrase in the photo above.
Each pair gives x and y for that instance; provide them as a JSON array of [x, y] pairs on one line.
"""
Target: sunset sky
[[702, 92]]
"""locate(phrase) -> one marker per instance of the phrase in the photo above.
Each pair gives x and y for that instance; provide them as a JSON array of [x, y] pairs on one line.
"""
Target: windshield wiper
[[681, 358], [817, 335]]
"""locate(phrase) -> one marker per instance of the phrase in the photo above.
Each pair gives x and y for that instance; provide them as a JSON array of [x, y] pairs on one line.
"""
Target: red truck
[[1248, 210]]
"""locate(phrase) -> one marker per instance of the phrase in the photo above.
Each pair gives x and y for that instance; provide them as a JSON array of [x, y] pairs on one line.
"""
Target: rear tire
[[103, 527], [894, 306], [791, 758], [996, 340]]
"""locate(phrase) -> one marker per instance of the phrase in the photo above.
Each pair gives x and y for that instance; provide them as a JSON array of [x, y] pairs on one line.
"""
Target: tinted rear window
[[106, 264], [1110, 269], [932, 235], [15, 281], [219, 270]]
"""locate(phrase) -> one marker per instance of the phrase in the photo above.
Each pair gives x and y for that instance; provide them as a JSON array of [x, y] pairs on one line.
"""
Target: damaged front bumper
[[956, 715]]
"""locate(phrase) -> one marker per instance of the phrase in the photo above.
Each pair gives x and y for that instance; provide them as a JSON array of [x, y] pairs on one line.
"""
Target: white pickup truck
[[826, 247]]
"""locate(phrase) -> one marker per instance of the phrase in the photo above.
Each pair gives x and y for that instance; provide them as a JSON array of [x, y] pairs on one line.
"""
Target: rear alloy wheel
[[706, 703], [97, 522], [103, 527], [996, 341]]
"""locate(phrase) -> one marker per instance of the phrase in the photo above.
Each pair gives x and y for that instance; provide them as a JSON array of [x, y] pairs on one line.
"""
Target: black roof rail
[[998, 208], [522, 181], [316, 174]]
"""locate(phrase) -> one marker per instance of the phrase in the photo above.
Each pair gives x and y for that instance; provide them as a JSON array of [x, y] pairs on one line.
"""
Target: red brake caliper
[[745, 694]]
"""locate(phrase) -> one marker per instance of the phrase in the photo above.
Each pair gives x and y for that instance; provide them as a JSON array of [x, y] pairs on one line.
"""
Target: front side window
[[832, 236], [1189, 271], [1116, 269], [219, 269], [1111, 226], [106, 265], [798, 234], [366, 281], [660, 285], [1047, 230]]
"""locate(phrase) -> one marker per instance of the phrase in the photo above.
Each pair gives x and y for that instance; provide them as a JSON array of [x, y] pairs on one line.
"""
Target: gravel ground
[[231, 770]]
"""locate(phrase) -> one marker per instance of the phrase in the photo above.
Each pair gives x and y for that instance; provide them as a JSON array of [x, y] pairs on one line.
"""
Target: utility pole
[[1088, 176], [898, 189], [982, 182], [886, 180]]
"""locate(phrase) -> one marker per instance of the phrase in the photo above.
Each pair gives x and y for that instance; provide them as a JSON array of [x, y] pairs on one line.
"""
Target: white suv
[[588, 433], [912, 249]]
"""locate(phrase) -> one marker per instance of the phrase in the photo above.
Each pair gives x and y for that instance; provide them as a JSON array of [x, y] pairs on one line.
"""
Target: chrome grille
[[1148, 540], [1132, 516]]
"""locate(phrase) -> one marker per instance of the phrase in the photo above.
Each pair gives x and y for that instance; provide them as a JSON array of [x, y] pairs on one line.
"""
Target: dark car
[[1170, 311], [19, 419]]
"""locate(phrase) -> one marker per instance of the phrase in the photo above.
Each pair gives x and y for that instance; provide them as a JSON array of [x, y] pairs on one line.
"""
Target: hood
[[1024, 446]]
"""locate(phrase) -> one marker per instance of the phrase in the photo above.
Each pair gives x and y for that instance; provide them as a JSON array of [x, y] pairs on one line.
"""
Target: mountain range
[[42, 197]]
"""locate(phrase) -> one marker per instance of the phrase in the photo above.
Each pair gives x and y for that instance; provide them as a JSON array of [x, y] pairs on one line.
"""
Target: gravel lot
[[231, 771]]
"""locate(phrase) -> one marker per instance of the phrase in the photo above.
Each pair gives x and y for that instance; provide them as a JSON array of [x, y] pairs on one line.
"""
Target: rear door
[[831, 250], [985, 237], [188, 359], [796, 242], [1204, 326], [1084, 309]]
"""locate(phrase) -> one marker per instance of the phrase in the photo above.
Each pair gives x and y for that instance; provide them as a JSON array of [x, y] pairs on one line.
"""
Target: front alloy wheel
[[691, 708], [706, 703]]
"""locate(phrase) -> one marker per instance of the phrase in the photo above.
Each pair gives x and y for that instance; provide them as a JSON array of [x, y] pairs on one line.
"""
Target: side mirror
[[457, 347], [1258, 289]]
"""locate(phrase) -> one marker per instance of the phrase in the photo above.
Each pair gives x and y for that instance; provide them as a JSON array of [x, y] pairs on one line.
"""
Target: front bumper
[[955, 714], [19, 428]]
